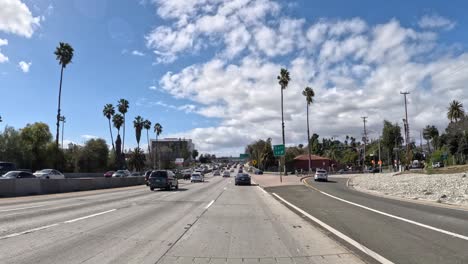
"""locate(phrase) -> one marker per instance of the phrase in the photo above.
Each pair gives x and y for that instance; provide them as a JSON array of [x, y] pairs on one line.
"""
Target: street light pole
[[407, 135], [380, 162], [365, 140]]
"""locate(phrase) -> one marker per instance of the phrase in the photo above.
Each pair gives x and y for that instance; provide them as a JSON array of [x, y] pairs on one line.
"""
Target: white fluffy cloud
[[436, 21], [355, 69], [3, 58], [138, 53], [24, 66], [16, 18]]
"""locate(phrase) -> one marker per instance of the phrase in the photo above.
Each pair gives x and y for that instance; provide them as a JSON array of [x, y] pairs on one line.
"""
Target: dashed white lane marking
[[358, 245], [28, 231], [208, 206], [398, 217], [89, 216], [21, 208]]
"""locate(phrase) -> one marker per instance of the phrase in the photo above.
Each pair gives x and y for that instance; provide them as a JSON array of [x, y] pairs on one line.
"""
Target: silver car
[[321, 175], [49, 174], [121, 173]]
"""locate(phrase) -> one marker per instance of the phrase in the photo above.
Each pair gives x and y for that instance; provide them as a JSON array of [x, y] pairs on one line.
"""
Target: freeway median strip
[[390, 215], [356, 244]]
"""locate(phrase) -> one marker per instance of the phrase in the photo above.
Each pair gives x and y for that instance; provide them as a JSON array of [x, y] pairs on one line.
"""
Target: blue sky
[[206, 69]]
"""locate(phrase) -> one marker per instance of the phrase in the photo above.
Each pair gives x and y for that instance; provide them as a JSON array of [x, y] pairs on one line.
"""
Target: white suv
[[321, 174]]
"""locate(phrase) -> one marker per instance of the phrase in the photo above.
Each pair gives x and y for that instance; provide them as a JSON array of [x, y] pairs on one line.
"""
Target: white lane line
[[208, 206], [358, 245], [88, 216], [262, 189], [28, 231], [399, 218], [225, 188], [21, 208]]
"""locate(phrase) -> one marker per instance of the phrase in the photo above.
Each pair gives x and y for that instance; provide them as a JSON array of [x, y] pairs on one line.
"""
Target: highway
[[400, 231], [210, 222]]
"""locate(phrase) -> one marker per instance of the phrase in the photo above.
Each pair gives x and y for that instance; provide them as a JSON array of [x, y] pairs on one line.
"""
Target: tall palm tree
[[118, 121], [158, 130], [63, 120], [309, 95], [283, 80], [108, 112], [147, 126], [1, 119], [64, 54], [455, 111], [138, 125], [123, 106]]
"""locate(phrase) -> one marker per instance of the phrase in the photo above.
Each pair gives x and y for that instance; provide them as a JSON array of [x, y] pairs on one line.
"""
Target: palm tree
[[64, 54], [1, 119], [123, 106], [158, 130], [118, 121], [309, 95], [147, 126], [138, 125], [283, 80], [63, 120], [455, 111], [108, 112]]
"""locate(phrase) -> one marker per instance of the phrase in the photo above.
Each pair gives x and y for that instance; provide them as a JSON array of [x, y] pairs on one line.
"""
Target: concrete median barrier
[[22, 187]]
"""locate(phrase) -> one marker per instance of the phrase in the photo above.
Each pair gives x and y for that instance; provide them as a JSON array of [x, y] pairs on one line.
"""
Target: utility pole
[[62, 118], [380, 162], [364, 139], [406, 124]]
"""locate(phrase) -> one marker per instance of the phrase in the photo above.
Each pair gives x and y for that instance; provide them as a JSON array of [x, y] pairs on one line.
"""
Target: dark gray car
[[163, 179], [242, 178]]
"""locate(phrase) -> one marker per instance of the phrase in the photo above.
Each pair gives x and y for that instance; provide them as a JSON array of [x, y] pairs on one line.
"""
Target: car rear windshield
[[321, 171], [159, 174]]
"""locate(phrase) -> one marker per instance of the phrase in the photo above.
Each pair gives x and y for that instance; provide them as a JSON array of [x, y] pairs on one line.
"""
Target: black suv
[[163, 179]]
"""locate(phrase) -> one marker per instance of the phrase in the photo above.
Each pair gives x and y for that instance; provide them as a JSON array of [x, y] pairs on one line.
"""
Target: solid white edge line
[[28, 231], [399, 218], [356, 244], [262, 189], [88, 216], [21, 208], [208, 206]]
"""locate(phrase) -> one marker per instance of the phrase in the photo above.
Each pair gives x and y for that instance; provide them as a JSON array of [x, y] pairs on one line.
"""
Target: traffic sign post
[[254, 162]]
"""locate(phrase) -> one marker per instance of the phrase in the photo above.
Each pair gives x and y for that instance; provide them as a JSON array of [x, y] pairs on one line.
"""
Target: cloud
[[153, 87], [24, 66], [436, 21], [137, 53], [88, 137], [355, 68], [17, 18], [3, 58]]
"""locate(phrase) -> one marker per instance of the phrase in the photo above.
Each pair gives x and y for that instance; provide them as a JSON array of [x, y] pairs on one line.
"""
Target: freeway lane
[[394, 239], [211, 222]]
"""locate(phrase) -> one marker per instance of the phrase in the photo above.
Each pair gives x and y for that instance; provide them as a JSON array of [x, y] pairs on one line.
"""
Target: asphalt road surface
[[400, 231], [210, 222]]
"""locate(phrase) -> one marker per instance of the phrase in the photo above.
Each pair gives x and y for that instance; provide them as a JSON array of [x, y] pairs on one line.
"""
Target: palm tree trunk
[[123, 139], [63, 128], [282, 126], [147, 139], [58, 109], [428, 145], [112, 137], [308, 137]]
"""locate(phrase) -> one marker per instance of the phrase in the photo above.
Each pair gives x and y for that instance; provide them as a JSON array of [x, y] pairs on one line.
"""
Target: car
[[49, 174], [121, 173], [216, 173], [232, 170], [135, 174], [147, 175], [438, 164], [321, 174], [17, 175], [186, 175], [163, 179], [197, 177], [109, 174], [242, 178], [6, 167], [258, 172], [226, 173], [240, 171]]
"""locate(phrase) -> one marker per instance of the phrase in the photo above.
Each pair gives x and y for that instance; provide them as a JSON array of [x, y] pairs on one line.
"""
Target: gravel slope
[[441, 188]]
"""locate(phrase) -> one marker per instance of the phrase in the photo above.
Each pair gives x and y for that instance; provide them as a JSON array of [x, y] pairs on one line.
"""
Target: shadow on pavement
[[172, 190]]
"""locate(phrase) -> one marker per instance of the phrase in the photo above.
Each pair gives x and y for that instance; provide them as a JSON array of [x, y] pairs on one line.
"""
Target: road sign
[[243, 156], [254, 162], [278, 150], [179, 161]]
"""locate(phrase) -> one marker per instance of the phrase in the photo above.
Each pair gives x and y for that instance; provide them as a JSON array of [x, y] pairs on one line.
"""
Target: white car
[[49, 174], [226, 173], [197, 177], [121, 173], [321, 175]]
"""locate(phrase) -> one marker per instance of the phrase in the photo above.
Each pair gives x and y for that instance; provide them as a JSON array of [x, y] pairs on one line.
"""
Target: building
[[302, 162], [167, 150]]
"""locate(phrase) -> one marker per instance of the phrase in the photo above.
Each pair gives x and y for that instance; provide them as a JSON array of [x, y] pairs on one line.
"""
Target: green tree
[[309, 95], [455, 111], [122, 106], [118, 121], [391, 138], [93, 156], [283, 80], [64, 54], [194, 154], [138, 125], [35, 137], [158, 129], [147, 126], [136, 159], [12, 148], [109, 112], [430, 133]]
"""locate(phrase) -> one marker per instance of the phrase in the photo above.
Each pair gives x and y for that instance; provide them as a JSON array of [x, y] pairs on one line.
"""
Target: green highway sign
[[243, 156], [278, 150]]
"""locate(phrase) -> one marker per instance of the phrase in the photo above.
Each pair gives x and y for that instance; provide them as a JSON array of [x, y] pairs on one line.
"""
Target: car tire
[[152, 188], [177, 187]]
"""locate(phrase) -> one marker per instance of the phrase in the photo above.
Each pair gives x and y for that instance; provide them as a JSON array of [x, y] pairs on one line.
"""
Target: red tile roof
[[313, 157]]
